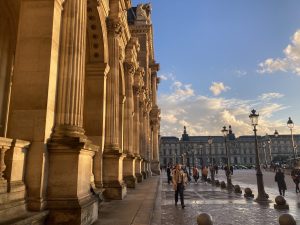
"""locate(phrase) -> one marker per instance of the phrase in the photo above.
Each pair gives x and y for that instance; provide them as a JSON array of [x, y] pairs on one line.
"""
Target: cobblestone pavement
[[225, 208]]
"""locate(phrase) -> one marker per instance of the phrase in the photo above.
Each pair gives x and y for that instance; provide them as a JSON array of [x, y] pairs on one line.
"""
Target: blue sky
[[219, 59]]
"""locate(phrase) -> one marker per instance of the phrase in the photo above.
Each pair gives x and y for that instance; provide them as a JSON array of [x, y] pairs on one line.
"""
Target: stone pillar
[[155, 120], [136, 130], [142, 139], [148, 139], [70, 200], [155, 166], [129, 161], [113, 183], [94, 112], [32, 109]]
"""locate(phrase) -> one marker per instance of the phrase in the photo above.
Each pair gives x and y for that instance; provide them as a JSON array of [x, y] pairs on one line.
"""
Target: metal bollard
[[204, 219], [287, 219], [248, 193], [280, 203]]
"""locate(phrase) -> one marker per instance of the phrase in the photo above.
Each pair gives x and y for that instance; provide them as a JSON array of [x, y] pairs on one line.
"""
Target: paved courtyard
[[225, 208]]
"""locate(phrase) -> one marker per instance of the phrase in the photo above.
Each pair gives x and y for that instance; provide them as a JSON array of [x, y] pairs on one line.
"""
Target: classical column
[[155, 120], [136, 134], [155, 166], [147, 140], [94, 112], [113, 183], [70, 153], [129, 160], [31, 113], [143, 137]]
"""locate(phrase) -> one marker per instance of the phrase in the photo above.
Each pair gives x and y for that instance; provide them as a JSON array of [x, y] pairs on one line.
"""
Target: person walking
[[195, 174], [204, 173], [279, 178], [169, 174], [296, 178], [179, 182], [216, 168]]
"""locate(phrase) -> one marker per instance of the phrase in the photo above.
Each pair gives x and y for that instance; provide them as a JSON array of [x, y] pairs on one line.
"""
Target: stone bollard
[[287, 219], [223, 184], [248, 193], [280, 203], [204, 219], [217, 183], [237, 189]]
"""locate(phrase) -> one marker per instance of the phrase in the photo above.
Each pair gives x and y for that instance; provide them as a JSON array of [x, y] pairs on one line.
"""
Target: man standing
[[179, 182], [279, 178], [169, 174]]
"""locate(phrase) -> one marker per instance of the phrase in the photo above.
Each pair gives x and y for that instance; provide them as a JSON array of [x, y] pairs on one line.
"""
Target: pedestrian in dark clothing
[[169, 174], [216, 169], [279, 178], [296, 178], [231, 169]]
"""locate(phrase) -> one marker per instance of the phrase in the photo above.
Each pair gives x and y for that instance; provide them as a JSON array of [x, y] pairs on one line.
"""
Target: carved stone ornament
[[129, 67], [114, 27], [143, 12]]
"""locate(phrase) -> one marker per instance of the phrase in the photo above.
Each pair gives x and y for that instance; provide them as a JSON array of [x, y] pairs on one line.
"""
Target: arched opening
[[95, 82], [8, 32]]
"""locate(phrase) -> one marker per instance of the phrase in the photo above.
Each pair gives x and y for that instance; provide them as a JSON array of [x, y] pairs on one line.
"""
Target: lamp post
[[228, 173], [212, 168], [262, 196], [265, 154], [269, 145], [290, 125]]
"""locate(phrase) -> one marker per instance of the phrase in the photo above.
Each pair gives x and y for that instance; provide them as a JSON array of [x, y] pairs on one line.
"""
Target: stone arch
[[8, 35], [97, 43], [95, 82]]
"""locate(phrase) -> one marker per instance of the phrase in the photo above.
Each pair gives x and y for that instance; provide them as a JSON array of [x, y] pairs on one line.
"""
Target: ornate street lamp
[[290, 125], [262, 195], [265, 154], [269, 145], [228, 173], [212, 168]]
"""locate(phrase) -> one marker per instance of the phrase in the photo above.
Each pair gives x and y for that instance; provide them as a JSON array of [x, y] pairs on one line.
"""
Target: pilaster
[[113, 155], [71, 154]]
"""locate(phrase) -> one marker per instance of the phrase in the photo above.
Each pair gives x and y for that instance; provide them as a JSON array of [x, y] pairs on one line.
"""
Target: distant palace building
[[195, 150]]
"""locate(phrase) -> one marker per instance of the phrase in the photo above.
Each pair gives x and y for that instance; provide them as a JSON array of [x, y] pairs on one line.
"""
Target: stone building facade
[[78, 109], [195, 150]]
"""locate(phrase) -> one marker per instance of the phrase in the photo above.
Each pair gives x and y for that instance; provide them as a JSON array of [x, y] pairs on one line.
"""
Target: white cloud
[[289, 63], [270, 96], [218, 88], [205, 115], [240, 73], [163, 77]]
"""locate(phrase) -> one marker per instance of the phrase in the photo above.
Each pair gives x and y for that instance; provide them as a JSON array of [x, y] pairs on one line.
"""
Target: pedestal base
[[114, 190], [130, 181], [139, 177], [69, 195], [155, 168], [77, 212], [144, 174]]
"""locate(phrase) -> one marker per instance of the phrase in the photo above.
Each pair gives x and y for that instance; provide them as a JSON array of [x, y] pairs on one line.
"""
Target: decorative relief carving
[[114, 27], [129, 68], [143, 13]]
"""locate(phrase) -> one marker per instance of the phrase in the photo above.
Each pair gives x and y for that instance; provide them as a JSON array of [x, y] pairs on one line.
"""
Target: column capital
[[115, 27]]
